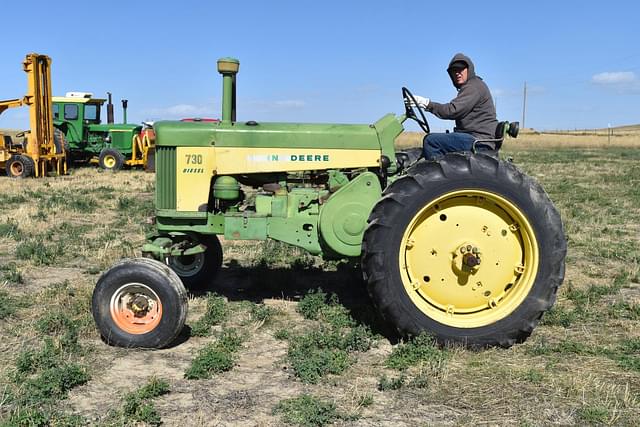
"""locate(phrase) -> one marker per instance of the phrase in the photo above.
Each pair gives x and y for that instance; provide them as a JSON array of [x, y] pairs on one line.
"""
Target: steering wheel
[[410, 106]]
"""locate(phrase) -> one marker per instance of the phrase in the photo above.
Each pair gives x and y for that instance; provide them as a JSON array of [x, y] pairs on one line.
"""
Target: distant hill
[[617, 130], [628, 128]]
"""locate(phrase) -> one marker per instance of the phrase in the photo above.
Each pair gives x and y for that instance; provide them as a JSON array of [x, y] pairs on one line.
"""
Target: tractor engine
[[309, 185]]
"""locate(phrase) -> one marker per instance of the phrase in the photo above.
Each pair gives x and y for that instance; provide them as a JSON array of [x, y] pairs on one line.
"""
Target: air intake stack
[[228, 67]]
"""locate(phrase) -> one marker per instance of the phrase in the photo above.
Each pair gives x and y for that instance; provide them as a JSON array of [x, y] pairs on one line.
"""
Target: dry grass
[[580, 367], [628, 136]]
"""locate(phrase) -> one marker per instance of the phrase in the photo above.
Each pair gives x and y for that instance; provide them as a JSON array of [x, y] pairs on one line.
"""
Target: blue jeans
[[436, 145]]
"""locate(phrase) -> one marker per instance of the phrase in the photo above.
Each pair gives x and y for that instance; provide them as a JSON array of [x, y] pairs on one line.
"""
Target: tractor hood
[[114, 127], [274, 135]]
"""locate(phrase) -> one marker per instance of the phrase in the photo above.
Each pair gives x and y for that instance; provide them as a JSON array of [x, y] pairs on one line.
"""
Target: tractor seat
[[502, 129]]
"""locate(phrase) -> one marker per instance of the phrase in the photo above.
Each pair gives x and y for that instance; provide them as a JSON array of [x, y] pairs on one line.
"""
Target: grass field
[[284, 337]]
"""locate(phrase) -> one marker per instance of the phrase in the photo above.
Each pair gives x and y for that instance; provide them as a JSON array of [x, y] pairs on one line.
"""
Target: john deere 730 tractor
[[467, 248]]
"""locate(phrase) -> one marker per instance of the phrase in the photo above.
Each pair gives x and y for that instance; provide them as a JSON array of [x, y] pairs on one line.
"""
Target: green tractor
[[112, 146], [467, 248]]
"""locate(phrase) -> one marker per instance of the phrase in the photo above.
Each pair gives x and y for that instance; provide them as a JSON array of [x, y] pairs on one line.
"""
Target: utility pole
[[524, 104]]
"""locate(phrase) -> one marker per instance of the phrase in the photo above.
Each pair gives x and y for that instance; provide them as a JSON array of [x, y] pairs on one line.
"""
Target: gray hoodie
[[473, 108]]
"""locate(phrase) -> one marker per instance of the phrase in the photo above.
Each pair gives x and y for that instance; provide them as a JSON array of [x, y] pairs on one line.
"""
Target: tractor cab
[[73, 113]]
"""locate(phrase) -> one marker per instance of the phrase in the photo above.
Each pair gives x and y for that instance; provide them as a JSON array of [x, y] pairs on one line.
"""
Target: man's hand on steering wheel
[[411, 103], [421, 101]]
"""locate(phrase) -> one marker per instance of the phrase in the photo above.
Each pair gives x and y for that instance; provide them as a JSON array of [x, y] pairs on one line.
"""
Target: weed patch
[[40, 252], [8, 305], [393, 383], [11, 274], [44, 374], [421, 350], [138, 406], [53, 383], [312, 304], [308, 411], [326, 348], [10, 228], [216, 357], [626, 353], [216, 312], [76, 202], [586, 305], [594, 415], [420, 360], [272, 253], [260, 314], [37, 417]]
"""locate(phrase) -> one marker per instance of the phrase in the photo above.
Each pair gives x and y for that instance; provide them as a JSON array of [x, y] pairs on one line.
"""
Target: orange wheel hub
[[136, 308]]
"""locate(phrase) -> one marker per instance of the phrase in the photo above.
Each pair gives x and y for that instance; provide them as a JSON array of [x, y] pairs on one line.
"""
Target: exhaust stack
[[124, 110], [110, 118], [228, 67]]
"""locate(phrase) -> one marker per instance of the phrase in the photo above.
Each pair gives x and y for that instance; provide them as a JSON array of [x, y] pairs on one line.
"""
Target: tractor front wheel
[[139, 303], [20, 166], [198, 271], [111, 159], [468, 249]]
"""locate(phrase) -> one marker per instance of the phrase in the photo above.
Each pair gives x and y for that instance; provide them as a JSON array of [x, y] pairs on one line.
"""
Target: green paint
[[241, 227], [297, 231], [323, 211], [226, 188], [166, 165], [267, 135], [343, 217], [85, 134]]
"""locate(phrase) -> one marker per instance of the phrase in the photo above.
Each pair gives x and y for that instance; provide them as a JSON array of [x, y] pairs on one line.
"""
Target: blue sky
[[333, 61]]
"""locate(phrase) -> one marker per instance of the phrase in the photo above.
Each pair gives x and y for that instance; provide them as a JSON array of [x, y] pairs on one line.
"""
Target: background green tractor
[[468, 248], [78, 116]]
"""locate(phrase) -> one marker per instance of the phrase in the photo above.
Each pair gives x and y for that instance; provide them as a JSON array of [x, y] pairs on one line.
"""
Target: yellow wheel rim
[[468, 258], [109, 161]]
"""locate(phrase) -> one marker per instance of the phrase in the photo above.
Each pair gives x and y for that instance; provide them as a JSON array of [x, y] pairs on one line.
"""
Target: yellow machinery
[[41, 151]]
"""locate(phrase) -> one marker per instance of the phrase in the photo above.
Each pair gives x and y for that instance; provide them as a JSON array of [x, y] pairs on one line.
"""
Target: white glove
[[421, 101]]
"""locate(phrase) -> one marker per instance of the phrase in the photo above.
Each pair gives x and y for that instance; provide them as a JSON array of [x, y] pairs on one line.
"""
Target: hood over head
[[461, 58]]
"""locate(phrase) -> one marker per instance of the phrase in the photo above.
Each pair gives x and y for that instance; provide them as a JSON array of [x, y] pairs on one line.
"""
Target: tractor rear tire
[[62, 145], [111, 159], [20, 166], [468, 249], [139, 303], [59, 141], [198, 271]]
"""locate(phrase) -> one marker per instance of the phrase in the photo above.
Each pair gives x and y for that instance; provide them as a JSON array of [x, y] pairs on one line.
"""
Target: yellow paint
[[433, 246], [235, 160], [195, 167], [78, 100]]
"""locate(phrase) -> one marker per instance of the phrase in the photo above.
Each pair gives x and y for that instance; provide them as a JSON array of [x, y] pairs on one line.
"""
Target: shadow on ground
[[262, 282]]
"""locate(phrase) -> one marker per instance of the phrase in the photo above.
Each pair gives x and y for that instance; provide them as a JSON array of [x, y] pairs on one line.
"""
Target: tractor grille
[[165, 177]]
